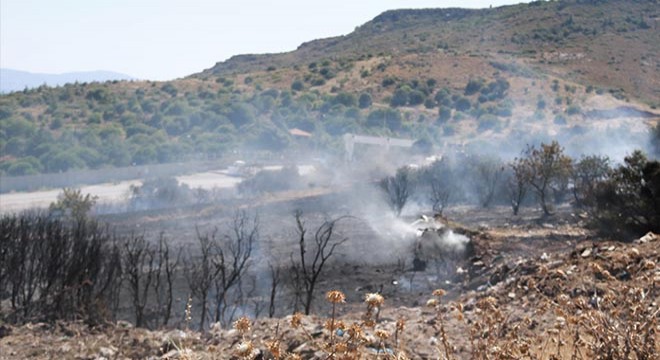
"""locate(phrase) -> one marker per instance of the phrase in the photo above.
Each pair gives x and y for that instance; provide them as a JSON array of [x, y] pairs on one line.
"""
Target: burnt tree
[[314, 251]]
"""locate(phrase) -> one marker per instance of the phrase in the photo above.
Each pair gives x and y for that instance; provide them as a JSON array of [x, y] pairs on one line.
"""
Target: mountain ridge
[[18, 80]]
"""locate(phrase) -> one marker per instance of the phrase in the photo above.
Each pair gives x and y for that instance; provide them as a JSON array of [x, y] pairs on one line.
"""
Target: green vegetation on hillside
[[491, 72]]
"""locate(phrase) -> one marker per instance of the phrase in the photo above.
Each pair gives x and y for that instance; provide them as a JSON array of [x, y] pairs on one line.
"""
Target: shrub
[[473, 86], [626, 203], [267, 181], [365, 101], [444, 114], [415, 97], [573, 110], [388, 81], [72, 204], [462, 104], [488, 122], [400, 98], [345, 99], [297, 85], [159, 193]]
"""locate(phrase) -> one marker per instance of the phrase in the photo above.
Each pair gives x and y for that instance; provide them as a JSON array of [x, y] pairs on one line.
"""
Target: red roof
[[298, 132]]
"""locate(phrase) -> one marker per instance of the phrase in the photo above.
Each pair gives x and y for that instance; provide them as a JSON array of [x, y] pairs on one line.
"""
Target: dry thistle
[[296, 320], [188, 312], [335, 296], [400, 325], [374, 299], [355, 332], [332, 325], [274, 348], [382, 334], [439, 292], [242, 325]]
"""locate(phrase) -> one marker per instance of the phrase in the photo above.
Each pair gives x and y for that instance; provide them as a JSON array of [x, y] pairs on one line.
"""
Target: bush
[[389, 118], [415, 97], [365, 101], [462, 104], [473, 86], [345, 99], [160, 193], [400, 98], [444, 114], [627, 202], [267, 181], [488, 122], [297, 85]]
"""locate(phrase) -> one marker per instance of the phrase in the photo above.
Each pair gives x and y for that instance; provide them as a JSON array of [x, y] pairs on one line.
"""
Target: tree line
[[619, 198], [66, 266]]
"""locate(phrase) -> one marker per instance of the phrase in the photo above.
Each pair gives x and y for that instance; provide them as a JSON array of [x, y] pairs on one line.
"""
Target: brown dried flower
[[374, 299], [296, 320], [242, 324], [382, 334], [335, 296]]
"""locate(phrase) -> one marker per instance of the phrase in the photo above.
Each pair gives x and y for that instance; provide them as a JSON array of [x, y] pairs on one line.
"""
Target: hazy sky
[[166, 39]]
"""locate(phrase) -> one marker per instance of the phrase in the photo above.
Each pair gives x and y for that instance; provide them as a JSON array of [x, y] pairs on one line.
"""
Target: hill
[[16, 80], [583, 72]]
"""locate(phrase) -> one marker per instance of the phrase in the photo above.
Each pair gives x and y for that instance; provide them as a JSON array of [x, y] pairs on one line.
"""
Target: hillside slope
[[583, 72]]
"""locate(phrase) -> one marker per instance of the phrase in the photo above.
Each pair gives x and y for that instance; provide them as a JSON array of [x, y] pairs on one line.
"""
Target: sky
[[168, 39]]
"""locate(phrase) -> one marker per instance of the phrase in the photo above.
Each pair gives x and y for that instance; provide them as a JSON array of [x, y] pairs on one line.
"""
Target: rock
[[108, 352], [649, 237], [122, 324], [175, 336], [586, 253], [4, 331]]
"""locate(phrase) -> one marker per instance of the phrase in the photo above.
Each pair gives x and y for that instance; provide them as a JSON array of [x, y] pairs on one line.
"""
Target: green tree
[[628, 202], [546, 168], [399, 98], [73, 204], [365, 101]]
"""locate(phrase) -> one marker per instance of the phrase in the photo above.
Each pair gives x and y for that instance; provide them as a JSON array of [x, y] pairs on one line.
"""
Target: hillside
[[584, 72]]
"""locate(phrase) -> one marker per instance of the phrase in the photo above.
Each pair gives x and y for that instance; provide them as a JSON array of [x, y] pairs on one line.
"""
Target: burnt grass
[[366, 262]]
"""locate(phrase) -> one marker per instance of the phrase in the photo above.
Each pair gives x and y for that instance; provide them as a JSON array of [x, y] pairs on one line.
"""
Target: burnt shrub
[[53, 269]]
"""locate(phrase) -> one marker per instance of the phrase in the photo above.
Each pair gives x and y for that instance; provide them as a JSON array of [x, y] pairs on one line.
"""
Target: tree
[[138, 264], [545, 167], [444, 114], [586, 175], [655, 139], [517, 184], [399, 98], [314, 251], [439, 176], [628, 202], [232, 258], [397, 189], [297, 85], [71, 203], [200, 273], [365, 101], [488, 174]]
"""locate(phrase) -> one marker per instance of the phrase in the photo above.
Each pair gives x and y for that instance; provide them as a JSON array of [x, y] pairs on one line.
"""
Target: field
[[525, 277]]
